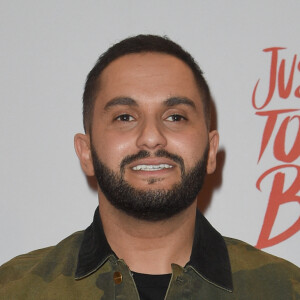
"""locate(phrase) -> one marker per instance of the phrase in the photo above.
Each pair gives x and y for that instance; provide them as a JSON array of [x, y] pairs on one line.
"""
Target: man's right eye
[[125, 118]]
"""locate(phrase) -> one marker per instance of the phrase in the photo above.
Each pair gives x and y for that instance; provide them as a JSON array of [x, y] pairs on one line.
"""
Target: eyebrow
[[173, 101], [120, 101], [179, 100]]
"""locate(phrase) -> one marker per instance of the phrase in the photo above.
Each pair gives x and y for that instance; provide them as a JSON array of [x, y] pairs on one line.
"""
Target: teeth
[[151, 167]]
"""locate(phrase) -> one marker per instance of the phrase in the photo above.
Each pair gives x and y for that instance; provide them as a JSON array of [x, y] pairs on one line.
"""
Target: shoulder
[[243, 256], [52, 259], [268, 273]]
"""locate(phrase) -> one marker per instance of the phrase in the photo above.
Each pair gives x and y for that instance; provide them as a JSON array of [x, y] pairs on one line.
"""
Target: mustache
[[144, 154]]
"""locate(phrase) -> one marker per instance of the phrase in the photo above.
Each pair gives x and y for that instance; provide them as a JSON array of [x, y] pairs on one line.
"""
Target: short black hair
[[139, 44]]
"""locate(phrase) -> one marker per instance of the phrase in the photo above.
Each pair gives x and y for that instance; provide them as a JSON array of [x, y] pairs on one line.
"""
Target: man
[[146, 109]]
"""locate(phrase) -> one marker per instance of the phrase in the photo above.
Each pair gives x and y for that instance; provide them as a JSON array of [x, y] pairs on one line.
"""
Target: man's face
[[148, 123]]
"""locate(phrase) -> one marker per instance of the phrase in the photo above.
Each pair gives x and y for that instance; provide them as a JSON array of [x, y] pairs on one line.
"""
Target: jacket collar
[[94, 249], [209, 256]]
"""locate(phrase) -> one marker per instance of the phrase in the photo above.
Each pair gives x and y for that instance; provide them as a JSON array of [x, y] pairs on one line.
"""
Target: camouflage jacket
[[83, 266]]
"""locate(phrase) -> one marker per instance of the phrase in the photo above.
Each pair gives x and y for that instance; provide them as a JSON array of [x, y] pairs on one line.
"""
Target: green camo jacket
[[83, 266]]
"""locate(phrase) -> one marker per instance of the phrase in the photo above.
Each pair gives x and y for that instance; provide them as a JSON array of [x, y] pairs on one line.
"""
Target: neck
[[149, 247]]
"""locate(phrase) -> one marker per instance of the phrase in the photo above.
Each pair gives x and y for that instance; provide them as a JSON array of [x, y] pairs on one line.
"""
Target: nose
[[151, 136]]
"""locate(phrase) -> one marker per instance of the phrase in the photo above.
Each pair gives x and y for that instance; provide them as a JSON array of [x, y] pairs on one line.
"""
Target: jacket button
[[118, 277]]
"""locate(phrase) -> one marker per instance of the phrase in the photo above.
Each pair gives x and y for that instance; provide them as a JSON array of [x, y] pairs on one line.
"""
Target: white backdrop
[[47, 49]]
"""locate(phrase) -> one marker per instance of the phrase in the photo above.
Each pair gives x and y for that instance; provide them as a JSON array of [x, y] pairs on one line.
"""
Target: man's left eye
[[176, 118]]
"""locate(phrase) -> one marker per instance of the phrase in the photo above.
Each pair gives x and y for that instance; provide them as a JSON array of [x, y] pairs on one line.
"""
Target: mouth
[[151, 168]]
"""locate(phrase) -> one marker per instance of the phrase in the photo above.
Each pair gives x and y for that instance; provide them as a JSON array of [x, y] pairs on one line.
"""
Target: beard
[[151, 204]]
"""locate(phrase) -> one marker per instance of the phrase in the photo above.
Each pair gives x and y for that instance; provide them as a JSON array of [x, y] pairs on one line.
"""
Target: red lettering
[[284, 92], [283, 77], [297, 90], [273, 76], [277, 198], [279, 143], [269, 127]]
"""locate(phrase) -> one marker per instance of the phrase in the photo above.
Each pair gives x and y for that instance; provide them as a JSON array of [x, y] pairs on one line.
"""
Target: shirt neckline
[[209, 257]]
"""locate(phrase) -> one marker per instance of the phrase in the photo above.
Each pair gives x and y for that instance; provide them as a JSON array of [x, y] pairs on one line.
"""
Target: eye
[[125, 118], [176, 118]]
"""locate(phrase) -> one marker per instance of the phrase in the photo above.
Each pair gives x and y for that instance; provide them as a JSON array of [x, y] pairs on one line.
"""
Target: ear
[[213, 137], [83, 151]]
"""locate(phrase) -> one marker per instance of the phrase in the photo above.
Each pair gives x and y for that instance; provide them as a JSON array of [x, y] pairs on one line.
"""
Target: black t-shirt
[[151, 287]]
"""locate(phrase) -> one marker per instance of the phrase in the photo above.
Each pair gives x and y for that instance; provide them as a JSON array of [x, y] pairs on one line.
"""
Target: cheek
[[190, 147], [112, 148]]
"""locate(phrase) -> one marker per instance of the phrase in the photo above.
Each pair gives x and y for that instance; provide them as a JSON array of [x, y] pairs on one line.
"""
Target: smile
[[152, 167]]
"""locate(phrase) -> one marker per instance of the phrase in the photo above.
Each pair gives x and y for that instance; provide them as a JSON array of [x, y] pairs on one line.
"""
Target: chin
[[153, 183]]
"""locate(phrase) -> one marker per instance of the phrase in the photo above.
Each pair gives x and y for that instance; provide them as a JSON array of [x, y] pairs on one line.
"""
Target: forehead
[[147, 75]]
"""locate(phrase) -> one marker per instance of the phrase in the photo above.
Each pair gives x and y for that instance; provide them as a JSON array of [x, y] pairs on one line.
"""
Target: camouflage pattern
[[50, 274]]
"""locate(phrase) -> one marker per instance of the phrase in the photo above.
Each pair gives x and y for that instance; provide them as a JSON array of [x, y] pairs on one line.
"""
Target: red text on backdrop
[[285, 177]]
